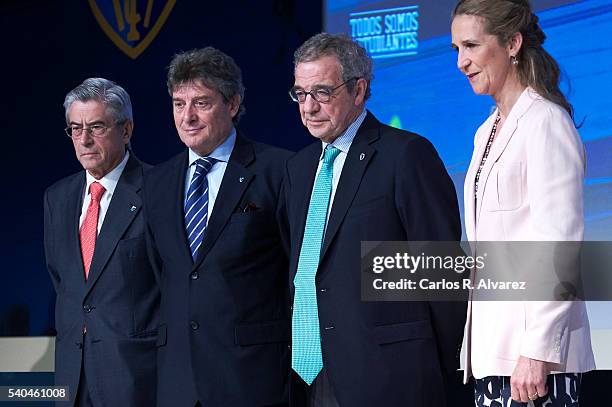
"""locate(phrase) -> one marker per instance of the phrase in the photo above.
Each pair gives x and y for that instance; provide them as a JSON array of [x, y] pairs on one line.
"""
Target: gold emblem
[[124, 24]]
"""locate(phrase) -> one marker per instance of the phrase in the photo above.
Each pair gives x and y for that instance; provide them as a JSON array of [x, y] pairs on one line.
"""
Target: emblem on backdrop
[[131, 24]]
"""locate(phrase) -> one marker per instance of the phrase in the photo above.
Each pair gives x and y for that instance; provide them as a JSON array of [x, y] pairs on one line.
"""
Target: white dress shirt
[[215, 175], [109, 182]]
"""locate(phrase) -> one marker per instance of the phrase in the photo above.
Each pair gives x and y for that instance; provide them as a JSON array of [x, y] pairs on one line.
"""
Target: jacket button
[[195, 275], [329, 328], [323, 290], [194, 325], [87, 308]]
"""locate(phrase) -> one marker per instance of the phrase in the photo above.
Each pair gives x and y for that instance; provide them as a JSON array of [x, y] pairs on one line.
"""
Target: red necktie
[[89, 228]]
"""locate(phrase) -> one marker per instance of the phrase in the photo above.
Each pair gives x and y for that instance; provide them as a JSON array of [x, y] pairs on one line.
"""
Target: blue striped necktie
[[196, 205], [307, 358]]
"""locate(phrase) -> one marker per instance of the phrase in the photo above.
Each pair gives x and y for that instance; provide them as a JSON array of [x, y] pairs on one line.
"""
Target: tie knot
[[204, 165], [330, 154], [96, 190]]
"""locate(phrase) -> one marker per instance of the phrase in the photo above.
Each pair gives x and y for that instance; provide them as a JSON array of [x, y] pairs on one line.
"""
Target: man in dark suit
[[107, 297], [214, 224], [362, 180]]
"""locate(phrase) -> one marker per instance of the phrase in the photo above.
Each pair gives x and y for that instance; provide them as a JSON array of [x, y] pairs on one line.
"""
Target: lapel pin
[[132, 208], [361, 156], [241, 179]]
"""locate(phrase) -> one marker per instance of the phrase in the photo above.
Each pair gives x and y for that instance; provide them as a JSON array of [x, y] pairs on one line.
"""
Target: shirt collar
[[221, 153], [109, 181], [344, 141]]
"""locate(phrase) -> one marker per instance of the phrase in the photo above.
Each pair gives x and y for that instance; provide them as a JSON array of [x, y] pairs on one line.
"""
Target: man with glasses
[[214, 221], [362, 181], [107, 297]]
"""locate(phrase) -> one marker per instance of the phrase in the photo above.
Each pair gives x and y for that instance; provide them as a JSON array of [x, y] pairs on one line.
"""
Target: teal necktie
[[306, 358]]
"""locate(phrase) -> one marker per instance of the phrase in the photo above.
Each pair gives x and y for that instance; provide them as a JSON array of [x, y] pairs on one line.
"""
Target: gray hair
[[215, 69], [354, 61], [113, 96]]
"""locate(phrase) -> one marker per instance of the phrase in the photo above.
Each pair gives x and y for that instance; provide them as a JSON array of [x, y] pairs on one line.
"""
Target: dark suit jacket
[[225, 327], [119, 301], [380, 353]]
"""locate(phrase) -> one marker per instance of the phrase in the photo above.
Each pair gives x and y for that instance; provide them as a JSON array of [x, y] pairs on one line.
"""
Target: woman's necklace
[[486, 153]]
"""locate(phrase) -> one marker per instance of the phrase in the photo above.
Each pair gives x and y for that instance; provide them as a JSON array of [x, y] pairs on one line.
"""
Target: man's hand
[[528, 381]]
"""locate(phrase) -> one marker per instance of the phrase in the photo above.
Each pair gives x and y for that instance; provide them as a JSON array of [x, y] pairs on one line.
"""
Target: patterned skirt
[[563, 391]]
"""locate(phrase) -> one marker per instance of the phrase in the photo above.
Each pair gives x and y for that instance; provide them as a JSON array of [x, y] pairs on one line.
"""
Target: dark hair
[[536, 67], [354, 61], [215, 69]]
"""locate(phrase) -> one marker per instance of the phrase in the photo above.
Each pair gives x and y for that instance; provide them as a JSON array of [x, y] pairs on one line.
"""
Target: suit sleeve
[[152, 252], [427, 204], [282, 216], [555, 172], [48, 242]]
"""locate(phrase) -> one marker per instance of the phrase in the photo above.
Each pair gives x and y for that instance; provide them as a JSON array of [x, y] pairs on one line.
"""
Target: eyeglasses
[[321, 94], [96, 130]]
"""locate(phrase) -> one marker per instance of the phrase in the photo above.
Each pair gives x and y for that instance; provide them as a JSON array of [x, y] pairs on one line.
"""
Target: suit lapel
[[481, 138], [235, 181], [301, 190], [124, 206], [502, 139], [176, 211], [358, 157], [73, 214]]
